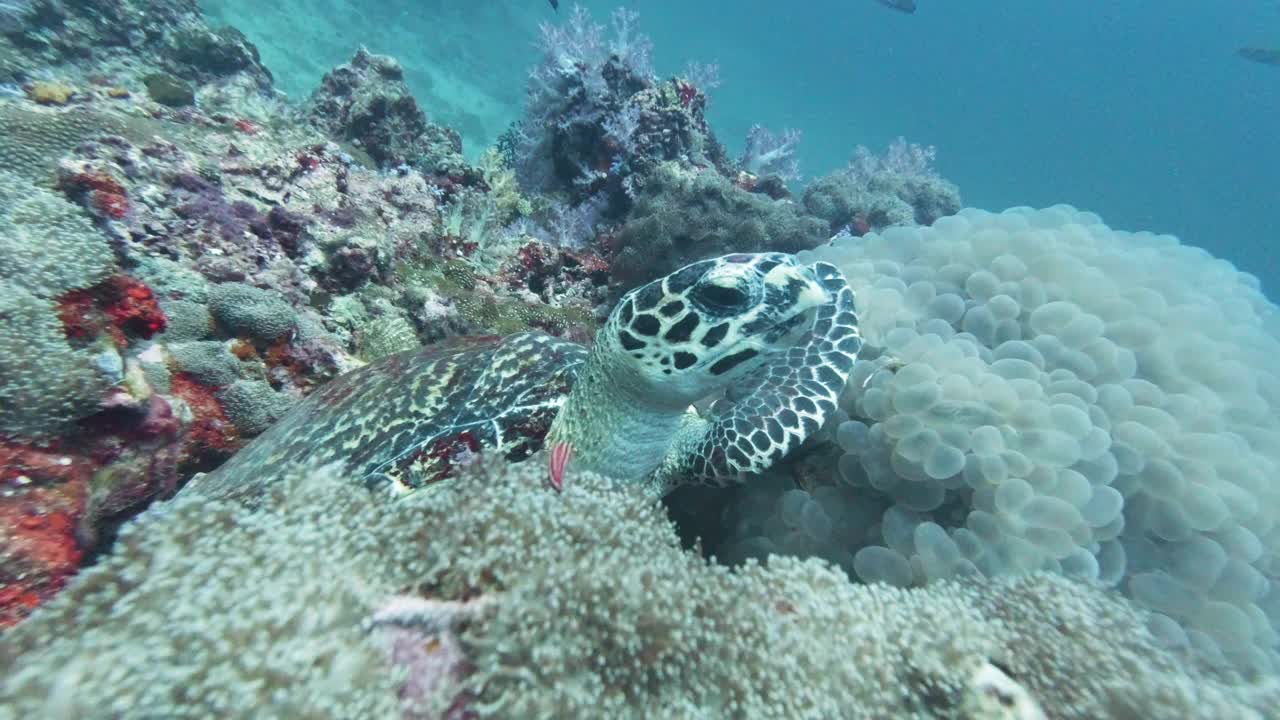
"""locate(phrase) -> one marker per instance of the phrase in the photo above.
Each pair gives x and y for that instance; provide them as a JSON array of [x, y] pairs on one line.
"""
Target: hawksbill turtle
[[770, 340]]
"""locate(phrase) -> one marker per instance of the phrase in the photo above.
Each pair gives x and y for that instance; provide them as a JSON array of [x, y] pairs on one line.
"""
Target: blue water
[[1140, 111]]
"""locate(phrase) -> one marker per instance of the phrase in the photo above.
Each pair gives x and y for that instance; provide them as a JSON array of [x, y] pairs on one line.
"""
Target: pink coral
[[420, 635]]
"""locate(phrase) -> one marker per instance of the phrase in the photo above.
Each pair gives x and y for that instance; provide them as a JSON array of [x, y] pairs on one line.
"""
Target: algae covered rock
[[169, 90], [366, 102], [683, 216]]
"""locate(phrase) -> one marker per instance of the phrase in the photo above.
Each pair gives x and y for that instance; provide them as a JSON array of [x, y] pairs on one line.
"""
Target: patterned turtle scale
[[775, 337], [407, 418], [770, 414]]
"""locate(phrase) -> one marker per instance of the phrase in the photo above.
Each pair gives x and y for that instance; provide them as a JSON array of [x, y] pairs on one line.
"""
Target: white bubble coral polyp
[[1065, 396]]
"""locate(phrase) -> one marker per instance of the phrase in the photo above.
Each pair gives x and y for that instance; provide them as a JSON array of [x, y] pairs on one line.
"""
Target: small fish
[[1265, 56], [906, 6], [555, 5]]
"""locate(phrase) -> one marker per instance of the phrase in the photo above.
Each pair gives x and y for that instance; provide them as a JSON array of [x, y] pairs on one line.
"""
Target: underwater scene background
[[1141, 111], [496, 359]]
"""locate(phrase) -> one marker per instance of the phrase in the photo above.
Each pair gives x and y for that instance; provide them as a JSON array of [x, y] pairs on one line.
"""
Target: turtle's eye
[[721, 297]]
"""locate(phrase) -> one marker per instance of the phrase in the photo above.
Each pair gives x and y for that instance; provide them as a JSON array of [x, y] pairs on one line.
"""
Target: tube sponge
[[1057, 395]]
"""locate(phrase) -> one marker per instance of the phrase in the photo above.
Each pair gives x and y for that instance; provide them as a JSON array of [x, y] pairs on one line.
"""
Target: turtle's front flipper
[[778, 407]]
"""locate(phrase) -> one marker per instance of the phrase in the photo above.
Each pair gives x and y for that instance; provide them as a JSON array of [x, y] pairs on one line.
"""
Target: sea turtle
[[774, 337]]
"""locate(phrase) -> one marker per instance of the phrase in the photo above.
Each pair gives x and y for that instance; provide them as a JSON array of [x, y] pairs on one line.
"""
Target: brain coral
[[581, 604], [47, 247], [47, 242], [1054, 394]]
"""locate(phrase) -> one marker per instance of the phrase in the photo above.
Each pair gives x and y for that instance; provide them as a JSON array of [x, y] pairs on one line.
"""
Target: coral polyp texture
[[184, 256], [1053, 394], [874, 192], [492, 596]]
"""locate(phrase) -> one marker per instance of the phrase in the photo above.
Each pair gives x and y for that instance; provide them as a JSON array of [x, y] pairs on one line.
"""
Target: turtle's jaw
[[797, 292], [789, 331]]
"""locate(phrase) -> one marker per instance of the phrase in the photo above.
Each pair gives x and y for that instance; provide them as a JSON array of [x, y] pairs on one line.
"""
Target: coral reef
[[597, 120], [366, 103], [1055, 395], [1048, 488], [681, 216], [182, 256], [93, 38], [491, 596], [873, 192]]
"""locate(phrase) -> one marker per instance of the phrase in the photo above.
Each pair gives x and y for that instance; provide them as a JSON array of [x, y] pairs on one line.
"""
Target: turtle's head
[[705, 325]]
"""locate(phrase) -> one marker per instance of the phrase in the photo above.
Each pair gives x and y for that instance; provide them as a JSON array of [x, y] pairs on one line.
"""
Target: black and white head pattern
[[713, 322], [773, 411]]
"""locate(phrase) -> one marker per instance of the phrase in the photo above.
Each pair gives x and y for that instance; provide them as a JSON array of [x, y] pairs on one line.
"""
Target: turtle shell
[[408, 419]]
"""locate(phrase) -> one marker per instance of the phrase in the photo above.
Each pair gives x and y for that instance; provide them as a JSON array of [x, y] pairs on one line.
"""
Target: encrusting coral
[[530, 603]]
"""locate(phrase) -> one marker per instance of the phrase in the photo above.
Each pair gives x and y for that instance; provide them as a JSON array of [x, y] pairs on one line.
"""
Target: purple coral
[[634, 50], [704, 76], [420, 636], [575, 226], [577, 89]]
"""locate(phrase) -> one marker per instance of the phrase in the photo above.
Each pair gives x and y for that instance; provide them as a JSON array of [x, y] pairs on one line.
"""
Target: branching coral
[[769, 154], [596, 120]]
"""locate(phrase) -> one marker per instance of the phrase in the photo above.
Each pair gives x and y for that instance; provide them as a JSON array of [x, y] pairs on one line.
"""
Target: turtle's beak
[[798, 286], [796, 291]]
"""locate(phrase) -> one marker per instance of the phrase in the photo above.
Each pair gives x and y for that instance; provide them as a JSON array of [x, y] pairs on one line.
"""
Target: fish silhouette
[[906, 6], [1266, 56]]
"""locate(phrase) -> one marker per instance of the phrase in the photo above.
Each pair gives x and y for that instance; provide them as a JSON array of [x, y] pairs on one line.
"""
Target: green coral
[[253, 405], [170, 278], [47, 248], [385, 335], [682, 216], [577, 604], [45, 384], [47, 242], [504, 189], [250, 311], [187, 320], [474, 220], [32, 140], [459, 282], [210, 362]]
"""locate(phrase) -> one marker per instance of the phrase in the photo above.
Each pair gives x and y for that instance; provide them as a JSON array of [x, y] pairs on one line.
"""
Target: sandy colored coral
[[48, 92]]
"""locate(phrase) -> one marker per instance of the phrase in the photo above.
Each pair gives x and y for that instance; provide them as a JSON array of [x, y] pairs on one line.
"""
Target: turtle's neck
[[615, 427]]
